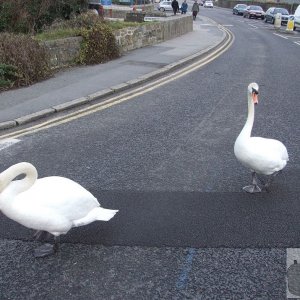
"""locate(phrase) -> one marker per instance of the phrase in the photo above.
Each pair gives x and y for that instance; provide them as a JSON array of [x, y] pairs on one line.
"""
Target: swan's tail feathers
[[97, 214], [104, 214]]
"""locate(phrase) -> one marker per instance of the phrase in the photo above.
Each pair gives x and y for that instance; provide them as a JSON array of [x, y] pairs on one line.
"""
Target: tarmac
[[80, 85]]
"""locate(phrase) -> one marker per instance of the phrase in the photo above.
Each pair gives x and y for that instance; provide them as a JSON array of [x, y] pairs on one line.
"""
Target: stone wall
[[63, 52], [121, 13], [152, 33]]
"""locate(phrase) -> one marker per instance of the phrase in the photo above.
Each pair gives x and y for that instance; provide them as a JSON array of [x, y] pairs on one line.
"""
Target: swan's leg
[[253, 188], [41, 235], [266, 186], [56, 243], [47, 249]]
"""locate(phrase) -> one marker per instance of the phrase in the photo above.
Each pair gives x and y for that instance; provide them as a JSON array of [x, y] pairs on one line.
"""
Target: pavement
[[80, 85]]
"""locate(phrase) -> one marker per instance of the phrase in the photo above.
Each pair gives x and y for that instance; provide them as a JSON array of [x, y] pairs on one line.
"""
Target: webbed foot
[[253, 188]]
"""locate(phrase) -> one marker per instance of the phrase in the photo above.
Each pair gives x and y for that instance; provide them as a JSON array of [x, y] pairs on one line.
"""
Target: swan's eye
[[254, 91]]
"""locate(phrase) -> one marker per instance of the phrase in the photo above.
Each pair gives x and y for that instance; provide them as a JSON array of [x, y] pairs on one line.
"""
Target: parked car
[[208, 4], [296, 18], [239, 9], [254, 11], [271, 13], [165, 5]]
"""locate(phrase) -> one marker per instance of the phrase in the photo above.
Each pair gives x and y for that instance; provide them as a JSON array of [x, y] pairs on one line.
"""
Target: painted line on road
[[7, 143], [298, 43], [284, 37], [127, 95], [255, 27], [186, 269]]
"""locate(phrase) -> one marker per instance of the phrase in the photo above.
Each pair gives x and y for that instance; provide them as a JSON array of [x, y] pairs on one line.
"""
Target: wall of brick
[[63, 52]]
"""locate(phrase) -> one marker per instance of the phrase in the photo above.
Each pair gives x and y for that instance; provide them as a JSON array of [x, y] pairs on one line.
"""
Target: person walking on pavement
[[184, 7], [175, 6], [195, 9]]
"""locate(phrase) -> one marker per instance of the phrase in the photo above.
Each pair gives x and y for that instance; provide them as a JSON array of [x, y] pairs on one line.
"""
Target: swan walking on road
[[261, 155], [49, 205]]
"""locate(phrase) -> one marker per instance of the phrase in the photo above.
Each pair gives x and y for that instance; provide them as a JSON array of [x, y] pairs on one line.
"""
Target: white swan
[[51, 204], [261, 155]]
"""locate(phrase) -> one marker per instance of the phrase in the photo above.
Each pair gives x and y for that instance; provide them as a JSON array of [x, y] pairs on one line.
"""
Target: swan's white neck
[[246, 131], [19, 186]]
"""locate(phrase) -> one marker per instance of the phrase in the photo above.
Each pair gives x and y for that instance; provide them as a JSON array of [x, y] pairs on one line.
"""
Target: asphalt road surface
[[165, 159]]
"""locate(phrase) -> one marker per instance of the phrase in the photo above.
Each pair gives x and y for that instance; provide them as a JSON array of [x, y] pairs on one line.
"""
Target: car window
[[281, 10], [256, 7]]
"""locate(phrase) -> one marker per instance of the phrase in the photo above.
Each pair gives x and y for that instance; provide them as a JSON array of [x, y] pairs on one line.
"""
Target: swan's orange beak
[[255, 98]]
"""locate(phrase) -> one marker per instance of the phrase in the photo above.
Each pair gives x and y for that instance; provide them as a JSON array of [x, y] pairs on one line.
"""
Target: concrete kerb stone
[[35, 116], [71, 104], [100, 94], [117, 88], [8, 124], [120, 87]]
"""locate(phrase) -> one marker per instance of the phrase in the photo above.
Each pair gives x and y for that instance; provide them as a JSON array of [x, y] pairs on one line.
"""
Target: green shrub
[[57, 34], [66, 28], [8, 75], [99, 45], [28, 58], [30, 16]]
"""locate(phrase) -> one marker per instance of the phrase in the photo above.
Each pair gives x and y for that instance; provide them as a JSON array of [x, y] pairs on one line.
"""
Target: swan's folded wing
[[61, 195], [268, 155]]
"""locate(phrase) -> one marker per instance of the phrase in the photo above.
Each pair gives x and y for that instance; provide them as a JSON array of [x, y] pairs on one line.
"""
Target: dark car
[[271, 13], [239, 9], [254, 11]]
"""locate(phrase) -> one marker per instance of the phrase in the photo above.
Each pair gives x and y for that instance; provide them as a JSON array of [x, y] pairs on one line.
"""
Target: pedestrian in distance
[[175, 6], [195, 9], [184, 7]]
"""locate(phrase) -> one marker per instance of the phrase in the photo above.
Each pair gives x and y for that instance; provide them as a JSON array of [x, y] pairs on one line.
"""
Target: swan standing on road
[[50, 205], [261, 155]]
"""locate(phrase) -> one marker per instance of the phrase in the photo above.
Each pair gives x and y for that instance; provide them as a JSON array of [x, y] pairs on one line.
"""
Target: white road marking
[[298, 43], [7, 143], [253, 26], [284, 37]]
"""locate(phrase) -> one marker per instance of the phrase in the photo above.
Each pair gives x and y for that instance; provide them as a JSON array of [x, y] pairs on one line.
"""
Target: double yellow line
[[127, 95]]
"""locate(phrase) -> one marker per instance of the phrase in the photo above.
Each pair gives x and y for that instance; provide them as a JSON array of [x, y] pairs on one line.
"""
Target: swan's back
[[60, 195]]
